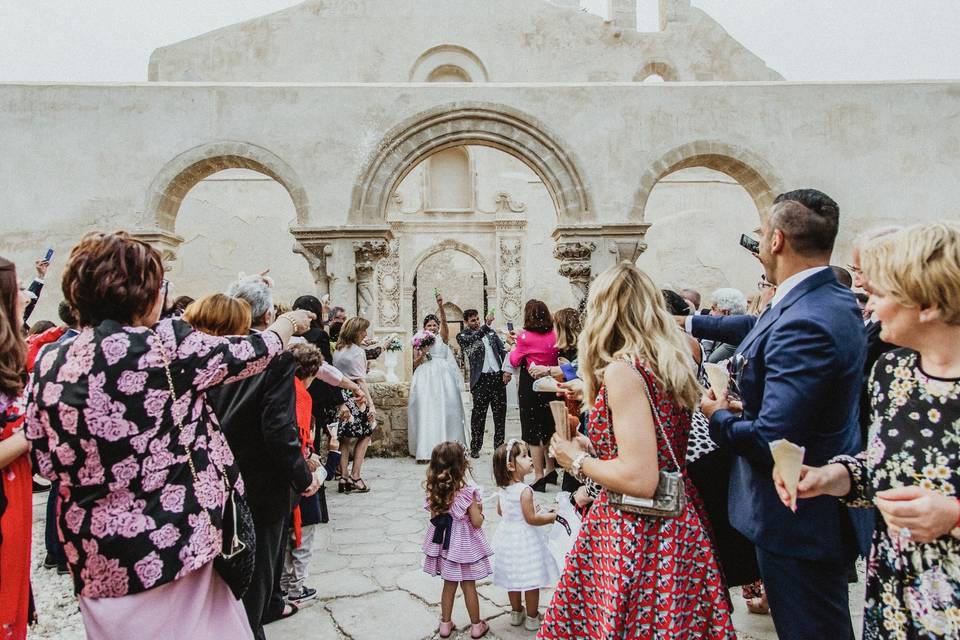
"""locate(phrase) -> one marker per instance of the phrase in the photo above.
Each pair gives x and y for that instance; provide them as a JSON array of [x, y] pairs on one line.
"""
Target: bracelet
[[576, 467], [293, 325]]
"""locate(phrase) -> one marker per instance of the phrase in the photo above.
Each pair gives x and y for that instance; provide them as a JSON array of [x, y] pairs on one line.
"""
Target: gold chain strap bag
[[670, 498]]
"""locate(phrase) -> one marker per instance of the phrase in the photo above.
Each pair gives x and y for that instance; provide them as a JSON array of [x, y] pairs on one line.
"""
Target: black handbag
[[236, 560], [670, 498]]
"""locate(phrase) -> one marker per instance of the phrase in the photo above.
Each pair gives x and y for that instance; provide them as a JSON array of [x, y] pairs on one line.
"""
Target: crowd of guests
[[184, 442], [188, 442]]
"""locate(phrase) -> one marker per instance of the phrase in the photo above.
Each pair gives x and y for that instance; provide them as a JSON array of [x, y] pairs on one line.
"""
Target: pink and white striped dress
[[468, 554]]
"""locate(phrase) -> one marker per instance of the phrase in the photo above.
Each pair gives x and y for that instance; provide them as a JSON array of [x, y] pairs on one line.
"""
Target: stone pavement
[[366, 565]]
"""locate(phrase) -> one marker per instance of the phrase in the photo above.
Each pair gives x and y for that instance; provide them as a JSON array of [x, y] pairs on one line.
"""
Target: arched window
[[448, 73], [450, 181]]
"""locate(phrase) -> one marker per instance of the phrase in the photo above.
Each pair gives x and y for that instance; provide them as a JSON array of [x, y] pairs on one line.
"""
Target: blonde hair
[[566, 323], [918, 266], [350, 333], [219, 315], [626, 316]]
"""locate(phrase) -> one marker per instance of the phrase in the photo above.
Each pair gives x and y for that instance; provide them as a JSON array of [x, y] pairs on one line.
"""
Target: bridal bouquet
[[394, 344], [423, 340]]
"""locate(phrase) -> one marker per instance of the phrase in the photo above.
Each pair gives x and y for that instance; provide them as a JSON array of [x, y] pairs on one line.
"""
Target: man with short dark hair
[[484, 350], [799, 371]]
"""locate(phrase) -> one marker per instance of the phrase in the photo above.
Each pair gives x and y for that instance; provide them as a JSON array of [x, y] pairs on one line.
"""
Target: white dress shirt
[[784, 287], [489, 357]]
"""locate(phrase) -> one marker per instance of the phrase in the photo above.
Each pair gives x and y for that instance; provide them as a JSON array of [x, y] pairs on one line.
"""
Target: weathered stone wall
[[77, 157], [390, 438], [409, 40]]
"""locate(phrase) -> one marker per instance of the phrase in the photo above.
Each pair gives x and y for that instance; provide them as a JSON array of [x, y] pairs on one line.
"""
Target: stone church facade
[[494, 150]]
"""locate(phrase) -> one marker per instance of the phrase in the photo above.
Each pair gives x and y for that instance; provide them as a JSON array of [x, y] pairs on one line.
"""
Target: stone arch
[[448, 55], [184, 171], [449, 245], [656, 68], [499, 127], [750, 170], [448, 73]]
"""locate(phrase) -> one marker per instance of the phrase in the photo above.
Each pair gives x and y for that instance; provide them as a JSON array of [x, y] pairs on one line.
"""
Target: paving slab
[[345, 583], [312, 621], [389, 614]]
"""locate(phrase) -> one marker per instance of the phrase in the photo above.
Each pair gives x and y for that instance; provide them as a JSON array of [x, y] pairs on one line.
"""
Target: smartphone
[[749, 244], [49, 255], [509, 326]]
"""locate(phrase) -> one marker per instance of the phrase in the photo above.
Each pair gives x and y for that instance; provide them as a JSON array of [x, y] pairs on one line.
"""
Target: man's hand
[[710, 404], [489, 319], [926, 514], [41, 266], [681, 321], [507, 377]]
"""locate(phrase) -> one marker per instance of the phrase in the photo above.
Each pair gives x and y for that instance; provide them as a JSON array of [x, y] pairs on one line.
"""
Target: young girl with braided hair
[[455, 547]]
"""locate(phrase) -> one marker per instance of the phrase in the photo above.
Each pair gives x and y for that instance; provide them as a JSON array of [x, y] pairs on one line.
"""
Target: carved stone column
[[575, 266], [166, 242], [510, 263], [316, 254], [388, 288], [587, 250], [368, 253]]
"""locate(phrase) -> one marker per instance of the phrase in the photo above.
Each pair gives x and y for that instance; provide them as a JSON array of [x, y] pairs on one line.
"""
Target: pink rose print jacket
[[101, 421]]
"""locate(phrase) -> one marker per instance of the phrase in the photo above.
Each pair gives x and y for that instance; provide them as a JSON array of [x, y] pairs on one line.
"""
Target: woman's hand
[[573, 389], [582, 497], [538, 371], [830, 480], [926, 514], [564, 451]]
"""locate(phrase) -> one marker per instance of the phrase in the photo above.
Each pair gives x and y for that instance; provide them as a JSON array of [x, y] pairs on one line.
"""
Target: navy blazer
[[725, 329], [801, 381]]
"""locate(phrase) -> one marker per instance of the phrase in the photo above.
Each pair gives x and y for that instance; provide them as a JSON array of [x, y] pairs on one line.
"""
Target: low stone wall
[[390, 438]]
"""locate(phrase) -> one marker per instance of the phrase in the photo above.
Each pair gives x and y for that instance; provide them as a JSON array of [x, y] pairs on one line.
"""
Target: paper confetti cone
[[719, 377], [788, 458], [559, 410]]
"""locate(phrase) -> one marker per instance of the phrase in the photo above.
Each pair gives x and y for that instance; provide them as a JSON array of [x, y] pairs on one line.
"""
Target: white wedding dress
[[435, 412]]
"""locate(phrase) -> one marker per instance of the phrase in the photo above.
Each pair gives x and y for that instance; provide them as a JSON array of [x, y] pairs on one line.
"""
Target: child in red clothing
[[310, 511]]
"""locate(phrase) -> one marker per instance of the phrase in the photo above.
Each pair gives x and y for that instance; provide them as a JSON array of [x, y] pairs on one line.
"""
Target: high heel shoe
[[345, 486]]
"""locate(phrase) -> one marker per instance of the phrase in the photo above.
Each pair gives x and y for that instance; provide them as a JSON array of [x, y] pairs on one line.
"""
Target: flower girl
[[522, 562], [455, 547]]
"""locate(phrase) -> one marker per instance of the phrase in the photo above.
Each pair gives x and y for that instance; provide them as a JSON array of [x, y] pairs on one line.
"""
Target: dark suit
[[487, 389], [801, 381], [35, 288], [875, 348], [258, 417]]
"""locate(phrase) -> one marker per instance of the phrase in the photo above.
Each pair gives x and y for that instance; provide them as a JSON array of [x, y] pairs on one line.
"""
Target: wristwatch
[[577, 464]]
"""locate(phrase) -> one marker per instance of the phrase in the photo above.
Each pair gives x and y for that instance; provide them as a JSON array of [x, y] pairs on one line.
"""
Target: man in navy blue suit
[[799, 371]]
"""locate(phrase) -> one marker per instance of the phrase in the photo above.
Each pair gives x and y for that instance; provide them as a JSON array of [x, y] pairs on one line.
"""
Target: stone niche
[[390, 437]]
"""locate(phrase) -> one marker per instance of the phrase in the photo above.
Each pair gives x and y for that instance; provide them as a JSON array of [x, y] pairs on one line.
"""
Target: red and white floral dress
[[632, 576]]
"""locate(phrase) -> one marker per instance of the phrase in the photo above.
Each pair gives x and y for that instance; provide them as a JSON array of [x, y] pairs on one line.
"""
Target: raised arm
[[444, 329]]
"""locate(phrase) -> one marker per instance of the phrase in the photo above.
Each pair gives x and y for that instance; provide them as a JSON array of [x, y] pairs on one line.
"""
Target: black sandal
[[345, 485], [293, 610], [359, 485]]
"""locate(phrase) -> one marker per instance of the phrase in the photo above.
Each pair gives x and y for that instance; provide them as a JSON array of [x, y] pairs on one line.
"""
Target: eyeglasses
[[855, 270]]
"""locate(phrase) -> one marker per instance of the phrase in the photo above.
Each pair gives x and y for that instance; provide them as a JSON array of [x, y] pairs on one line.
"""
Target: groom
[[484, 349]]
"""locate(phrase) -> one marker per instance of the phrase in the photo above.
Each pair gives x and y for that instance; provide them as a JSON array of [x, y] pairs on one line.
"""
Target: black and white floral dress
[[913, 589]]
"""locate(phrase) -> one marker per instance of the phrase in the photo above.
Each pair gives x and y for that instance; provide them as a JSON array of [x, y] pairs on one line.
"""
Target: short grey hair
[[731, 300], [869, 235], [256, 291]]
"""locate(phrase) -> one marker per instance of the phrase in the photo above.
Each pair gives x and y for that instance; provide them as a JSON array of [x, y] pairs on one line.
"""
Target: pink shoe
[[446, 628], [479, 630]]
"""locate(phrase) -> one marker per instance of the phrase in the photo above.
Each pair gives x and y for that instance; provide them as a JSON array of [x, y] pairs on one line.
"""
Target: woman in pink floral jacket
[[140, 533]]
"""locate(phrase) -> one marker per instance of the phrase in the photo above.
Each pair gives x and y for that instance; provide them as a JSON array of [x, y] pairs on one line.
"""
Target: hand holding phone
[[49, 255], [749, 244], [510, 327]]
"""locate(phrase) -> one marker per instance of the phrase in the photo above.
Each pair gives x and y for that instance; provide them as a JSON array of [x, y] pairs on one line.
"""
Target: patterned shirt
[[101, 421]]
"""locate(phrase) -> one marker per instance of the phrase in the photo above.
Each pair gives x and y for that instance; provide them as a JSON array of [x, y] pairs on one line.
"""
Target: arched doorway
[[697, 208], [228, 208]]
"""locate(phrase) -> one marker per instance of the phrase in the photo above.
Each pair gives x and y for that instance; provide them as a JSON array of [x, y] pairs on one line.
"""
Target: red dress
[[632, 576], [15, 526]]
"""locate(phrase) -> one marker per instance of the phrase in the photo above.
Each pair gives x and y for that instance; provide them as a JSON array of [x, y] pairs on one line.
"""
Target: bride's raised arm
[[444, 329]]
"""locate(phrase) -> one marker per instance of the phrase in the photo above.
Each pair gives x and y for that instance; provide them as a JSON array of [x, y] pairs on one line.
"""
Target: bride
[[435, 411]]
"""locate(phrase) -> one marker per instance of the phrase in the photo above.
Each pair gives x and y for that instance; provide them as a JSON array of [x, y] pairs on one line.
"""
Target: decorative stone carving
[[511, 278], [388, 286], [575, 266], [503, 203], [368, 253], [316, 255]]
